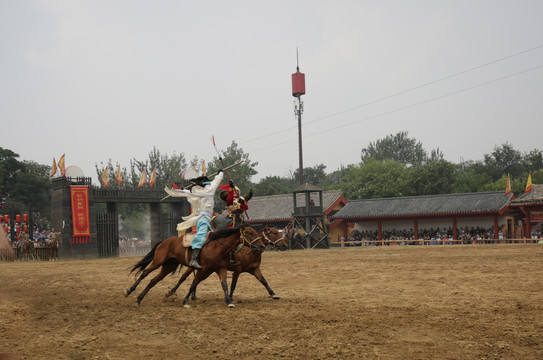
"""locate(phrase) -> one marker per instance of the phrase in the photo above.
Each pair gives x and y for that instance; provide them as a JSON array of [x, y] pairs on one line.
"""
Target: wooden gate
[[107, 233], [169, 224]]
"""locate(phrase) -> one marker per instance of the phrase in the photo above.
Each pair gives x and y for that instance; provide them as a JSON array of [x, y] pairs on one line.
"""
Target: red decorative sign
[[80, 215]]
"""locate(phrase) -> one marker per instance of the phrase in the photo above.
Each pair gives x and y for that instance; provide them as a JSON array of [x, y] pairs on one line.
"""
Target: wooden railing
[[394, 242]]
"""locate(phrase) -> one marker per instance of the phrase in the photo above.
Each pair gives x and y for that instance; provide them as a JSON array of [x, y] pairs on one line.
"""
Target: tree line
[[396, 165]]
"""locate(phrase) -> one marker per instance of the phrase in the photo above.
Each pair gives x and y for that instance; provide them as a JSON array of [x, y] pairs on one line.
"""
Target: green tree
[[168, 168], [504, 160], [273, 185], [314, 175], [9, 167], [374, 179], [399, 147], [533, 160], [32, 186], [334, 178], [433, 178], [470, 177], [241, 174]]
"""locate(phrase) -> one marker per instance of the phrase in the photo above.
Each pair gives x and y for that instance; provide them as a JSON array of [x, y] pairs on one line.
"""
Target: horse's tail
[[142, 264]]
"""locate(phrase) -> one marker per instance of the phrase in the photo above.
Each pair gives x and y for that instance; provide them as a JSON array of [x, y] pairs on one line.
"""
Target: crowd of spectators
[[431, 236], [39, 237], [133, 246]]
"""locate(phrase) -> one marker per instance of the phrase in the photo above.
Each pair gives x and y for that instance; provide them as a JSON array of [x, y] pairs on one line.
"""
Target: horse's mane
[[224, 233]]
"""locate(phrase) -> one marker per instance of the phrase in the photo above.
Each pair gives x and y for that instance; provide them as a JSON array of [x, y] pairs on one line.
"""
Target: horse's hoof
[[126, 293], [186, 306], [275, 297], [136, 304], [231, 305]]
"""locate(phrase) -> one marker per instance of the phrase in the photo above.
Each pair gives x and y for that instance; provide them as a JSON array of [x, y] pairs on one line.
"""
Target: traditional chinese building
[[528, 209]]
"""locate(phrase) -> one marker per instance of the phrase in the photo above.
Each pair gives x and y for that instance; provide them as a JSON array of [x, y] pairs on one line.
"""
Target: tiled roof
[[533, 197], [280, 207], [470, 203]]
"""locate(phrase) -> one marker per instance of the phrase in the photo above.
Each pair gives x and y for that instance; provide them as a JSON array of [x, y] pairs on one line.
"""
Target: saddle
[[186, 239]]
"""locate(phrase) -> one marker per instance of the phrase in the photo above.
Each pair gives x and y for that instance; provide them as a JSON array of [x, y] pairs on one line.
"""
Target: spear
[[215, 174]]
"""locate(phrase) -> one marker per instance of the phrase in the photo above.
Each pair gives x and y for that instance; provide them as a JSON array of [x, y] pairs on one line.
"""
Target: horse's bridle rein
[[244, 240], [273, 242]]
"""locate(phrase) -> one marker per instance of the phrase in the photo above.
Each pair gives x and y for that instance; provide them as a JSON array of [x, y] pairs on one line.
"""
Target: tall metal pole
[[298, 89], [301, 158]]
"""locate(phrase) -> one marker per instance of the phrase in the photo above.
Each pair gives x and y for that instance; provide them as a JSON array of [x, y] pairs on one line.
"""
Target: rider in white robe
[[202, 202]]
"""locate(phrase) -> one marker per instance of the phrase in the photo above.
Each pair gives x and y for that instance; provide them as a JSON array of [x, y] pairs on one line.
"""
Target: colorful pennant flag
[[105, 177], [142, 179], [508, 185], [118, 176], [53, 168], [528, 184], [61, 165], [152, 180]]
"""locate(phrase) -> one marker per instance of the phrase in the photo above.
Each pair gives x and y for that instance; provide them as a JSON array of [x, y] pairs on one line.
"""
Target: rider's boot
[[195, 258]]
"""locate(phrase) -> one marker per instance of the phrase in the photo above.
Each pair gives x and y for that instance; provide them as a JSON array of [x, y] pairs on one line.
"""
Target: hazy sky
[[111, 79]]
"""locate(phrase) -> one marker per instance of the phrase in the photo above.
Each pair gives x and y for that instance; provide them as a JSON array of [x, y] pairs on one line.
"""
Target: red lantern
[[25, 228], [17, 228], [1, 219], [17, 218], [18, 237], [6, 228], [6, 219], [25, 218]]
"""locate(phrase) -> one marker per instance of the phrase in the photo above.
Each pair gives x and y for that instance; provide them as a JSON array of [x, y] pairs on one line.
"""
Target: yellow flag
[[152, 180], [53, 168], [204, 170], [142, 179], [507, 186], [61, 165], [105, 177], [118, 176], [528, 184]]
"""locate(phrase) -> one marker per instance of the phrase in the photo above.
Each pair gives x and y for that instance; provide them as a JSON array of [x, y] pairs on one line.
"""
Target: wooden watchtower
[[309, 227]]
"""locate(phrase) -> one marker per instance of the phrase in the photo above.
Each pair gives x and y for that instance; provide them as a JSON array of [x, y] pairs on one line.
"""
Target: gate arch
[[104, 227]]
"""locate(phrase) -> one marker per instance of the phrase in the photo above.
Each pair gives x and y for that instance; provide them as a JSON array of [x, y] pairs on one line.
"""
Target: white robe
[[200, 199]]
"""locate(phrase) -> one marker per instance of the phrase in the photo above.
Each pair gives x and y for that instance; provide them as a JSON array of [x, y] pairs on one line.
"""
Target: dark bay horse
[[170, 254], [246, 261]]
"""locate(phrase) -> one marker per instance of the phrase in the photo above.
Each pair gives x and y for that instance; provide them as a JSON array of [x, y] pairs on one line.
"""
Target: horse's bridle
[[273, 242], [244, 240]]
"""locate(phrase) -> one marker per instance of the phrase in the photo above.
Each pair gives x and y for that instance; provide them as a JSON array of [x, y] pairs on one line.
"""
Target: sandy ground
[[424, 302]]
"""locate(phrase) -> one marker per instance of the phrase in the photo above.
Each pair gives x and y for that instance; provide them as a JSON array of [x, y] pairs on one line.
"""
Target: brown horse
[[171, 253], [246, 261], [25, 249], [52, 245]]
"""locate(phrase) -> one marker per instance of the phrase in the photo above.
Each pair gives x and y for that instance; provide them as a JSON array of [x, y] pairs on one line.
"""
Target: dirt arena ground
[[424, 302]]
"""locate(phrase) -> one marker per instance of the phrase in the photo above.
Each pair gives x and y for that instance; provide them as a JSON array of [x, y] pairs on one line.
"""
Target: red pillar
[[455, 233], [380, 233], [496, 227], [528, 226]]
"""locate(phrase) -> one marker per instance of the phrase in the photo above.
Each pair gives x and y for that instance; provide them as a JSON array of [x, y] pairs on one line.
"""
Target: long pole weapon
[[215, 174], [220, 158]]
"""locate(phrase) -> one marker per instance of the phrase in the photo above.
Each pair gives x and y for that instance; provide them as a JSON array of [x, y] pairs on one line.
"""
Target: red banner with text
[[80, 215]]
